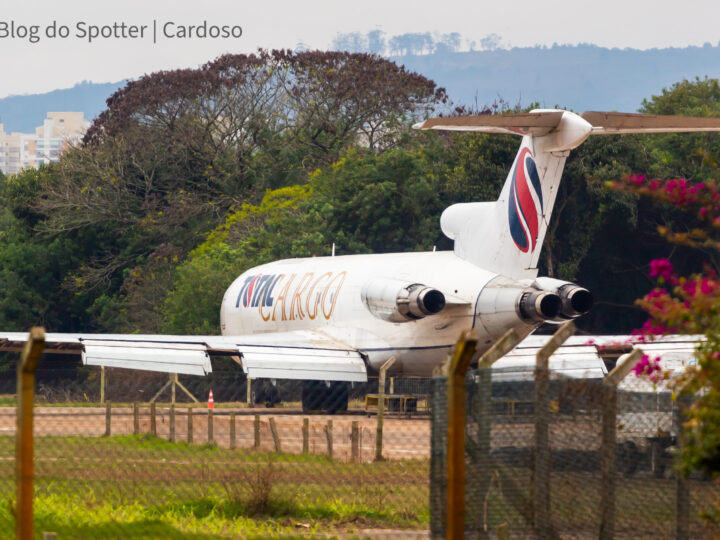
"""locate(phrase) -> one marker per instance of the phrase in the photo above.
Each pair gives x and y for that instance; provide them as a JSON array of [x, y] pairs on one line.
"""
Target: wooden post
[[275, 436], [24, 471], [609, 442], [153, 419], [306, 436], [543, 463], [462, 355], [190, 425], [682, 492], [478, 464], [102, 384], [172, 422], [232, 430], [210, 434], [248, 392], [329, 435], [174, 378], [381, 407], [136, 418], [355, 441], [392, 386], [256, 432], [107, 419]]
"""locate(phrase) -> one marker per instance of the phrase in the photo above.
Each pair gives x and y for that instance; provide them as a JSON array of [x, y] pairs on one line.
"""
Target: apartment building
[[21, 150]]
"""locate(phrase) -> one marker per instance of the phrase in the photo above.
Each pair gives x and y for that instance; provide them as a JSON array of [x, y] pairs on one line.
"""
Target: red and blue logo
[[525, 203]]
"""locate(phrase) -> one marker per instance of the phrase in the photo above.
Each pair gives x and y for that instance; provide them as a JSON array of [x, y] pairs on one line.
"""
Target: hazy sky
[[57, 63]]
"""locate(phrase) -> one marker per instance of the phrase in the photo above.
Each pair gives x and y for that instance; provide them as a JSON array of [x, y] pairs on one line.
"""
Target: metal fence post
[[24, 471], [460, 361], [478, 466], [381, 407], [543, 463], [609, 442], [102, 384], [682, 492]]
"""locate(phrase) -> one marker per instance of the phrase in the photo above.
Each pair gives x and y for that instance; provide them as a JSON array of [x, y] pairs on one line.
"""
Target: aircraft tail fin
[[506, 236]]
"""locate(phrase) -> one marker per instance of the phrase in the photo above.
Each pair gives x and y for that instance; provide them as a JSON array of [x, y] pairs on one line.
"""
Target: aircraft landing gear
[[329, 397]]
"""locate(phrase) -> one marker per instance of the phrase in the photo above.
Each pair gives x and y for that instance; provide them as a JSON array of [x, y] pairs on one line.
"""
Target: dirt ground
[[403, 438]]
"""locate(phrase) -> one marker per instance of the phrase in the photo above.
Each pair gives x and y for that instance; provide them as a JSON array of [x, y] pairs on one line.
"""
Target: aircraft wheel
[[313, 396], [337, 397]]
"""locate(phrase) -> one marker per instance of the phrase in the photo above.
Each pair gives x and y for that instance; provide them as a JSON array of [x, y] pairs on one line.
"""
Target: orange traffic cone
[[211, 401]]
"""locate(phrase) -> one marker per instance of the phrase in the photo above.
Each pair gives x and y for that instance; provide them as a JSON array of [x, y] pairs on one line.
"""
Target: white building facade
[[21, 150]]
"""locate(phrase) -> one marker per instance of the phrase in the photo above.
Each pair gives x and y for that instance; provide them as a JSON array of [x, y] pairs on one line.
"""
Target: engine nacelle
[[401, 301], [506, 303], [576, 300]]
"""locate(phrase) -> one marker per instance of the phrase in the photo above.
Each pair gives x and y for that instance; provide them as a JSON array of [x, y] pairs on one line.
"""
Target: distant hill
[[579, 77], [582, 77], [25, 113]]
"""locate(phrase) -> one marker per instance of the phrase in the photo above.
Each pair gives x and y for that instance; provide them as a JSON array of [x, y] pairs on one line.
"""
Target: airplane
[[332, 320]]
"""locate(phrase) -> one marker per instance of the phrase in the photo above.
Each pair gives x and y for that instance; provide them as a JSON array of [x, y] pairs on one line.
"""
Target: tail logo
[[525, 203]]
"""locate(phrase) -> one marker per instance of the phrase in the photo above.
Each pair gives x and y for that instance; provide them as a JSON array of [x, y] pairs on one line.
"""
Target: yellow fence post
[[461, 357], [24, 437]]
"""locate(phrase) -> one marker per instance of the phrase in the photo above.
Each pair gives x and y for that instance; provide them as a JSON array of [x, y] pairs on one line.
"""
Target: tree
[[176, 151], [688, 305]]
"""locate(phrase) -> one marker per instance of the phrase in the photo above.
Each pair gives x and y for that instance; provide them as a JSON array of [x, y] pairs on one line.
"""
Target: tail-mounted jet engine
[[401, 301], [505, 303], [576, 300]]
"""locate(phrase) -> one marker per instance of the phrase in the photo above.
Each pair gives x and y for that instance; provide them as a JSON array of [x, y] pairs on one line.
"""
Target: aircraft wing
[[308, 355]]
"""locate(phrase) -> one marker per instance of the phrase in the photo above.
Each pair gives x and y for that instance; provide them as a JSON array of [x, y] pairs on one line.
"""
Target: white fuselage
[[324, 293]]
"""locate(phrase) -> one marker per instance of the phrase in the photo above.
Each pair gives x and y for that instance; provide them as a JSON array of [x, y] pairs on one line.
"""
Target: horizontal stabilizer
[[614, 122], [533, 123], [543, 121]]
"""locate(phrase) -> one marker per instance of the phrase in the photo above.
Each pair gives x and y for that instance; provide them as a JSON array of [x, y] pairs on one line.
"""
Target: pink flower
[[646, 366], [636, 178], [661, 268], [706, 287]]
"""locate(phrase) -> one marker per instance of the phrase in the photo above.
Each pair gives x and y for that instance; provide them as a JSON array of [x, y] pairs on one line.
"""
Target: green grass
[[146, 487]]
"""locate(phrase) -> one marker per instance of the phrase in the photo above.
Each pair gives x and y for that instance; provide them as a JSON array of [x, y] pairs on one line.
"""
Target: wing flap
[[302, 363], [184, 359], [307, 354]]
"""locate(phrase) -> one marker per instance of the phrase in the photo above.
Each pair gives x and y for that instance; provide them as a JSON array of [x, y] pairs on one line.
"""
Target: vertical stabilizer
[[506, 236]]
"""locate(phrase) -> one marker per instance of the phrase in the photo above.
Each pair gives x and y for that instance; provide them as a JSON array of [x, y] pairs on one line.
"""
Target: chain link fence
[[639, 497], [128, 468]]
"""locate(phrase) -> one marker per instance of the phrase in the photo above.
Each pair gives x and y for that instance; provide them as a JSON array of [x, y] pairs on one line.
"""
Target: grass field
[[144, 487]]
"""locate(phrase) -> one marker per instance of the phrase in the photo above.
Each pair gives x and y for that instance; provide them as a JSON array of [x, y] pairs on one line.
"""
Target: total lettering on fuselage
[[289, 297]]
